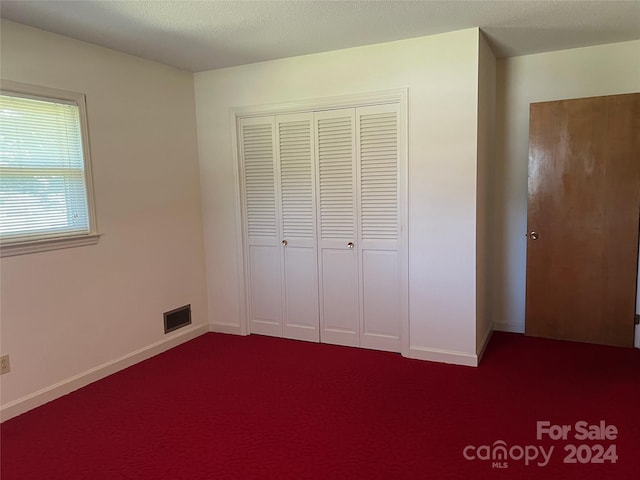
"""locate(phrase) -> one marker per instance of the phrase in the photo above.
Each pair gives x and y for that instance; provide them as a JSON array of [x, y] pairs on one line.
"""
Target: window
[[46, 198]]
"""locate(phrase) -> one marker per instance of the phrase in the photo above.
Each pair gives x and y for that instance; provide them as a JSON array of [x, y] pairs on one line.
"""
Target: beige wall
[[441, 73], [486, 180], [68, 311], [582, 72]]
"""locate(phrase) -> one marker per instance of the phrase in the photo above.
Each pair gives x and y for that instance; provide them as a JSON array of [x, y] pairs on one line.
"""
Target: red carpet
[[226, 407]]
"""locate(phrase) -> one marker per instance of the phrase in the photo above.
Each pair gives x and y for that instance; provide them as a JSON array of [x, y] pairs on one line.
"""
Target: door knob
[[350, 245], [284, 243], [533, 235]]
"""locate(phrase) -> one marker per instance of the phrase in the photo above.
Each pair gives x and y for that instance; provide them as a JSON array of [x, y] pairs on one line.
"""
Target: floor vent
[[177, 318]]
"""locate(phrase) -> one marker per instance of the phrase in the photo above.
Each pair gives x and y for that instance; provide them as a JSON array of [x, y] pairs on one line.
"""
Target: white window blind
[[43, 177]]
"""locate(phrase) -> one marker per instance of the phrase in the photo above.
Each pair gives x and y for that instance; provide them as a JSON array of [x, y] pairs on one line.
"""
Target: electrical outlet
[[5, 366]]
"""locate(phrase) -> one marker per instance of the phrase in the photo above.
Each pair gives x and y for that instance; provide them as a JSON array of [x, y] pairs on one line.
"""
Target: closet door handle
[[284, 243], [350, 245]]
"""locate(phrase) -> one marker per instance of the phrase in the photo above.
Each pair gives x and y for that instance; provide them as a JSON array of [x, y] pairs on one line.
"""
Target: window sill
[[44, 245]]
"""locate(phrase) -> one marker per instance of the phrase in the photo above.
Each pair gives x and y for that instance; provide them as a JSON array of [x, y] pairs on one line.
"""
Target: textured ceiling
[[204, 35]]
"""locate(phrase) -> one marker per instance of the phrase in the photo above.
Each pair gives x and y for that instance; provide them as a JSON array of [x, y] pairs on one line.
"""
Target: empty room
[[292, 239]]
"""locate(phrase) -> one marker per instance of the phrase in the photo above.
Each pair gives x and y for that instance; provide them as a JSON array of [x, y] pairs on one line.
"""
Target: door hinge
[[637, 322]]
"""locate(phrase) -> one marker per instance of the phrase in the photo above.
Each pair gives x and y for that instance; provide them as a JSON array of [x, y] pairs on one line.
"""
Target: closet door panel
[[339, 297], [379, 228], [301, 306], [337, 226], [295, 155], [257, 154], [381, 299], [264, 290]]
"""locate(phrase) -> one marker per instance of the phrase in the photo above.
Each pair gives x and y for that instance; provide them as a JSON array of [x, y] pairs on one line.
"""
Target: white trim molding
[[443, 356], [398, 95], [231, 328], [33, 400], [44, 245], [508, 327], [485, 342]]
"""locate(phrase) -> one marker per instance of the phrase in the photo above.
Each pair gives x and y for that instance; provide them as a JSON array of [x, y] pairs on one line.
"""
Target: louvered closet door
[[379, 227], [257, 154], [337, 226], [295, 147]]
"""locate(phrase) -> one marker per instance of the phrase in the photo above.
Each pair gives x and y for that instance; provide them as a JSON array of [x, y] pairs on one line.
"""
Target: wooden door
[[583, 215], [337, 227], [296, 182]]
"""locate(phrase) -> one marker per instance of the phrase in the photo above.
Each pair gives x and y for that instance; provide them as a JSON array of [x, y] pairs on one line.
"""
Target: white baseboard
[[232, 328], [508, 327], [637, 340], [485, 342], [33, 400], [443, 356]]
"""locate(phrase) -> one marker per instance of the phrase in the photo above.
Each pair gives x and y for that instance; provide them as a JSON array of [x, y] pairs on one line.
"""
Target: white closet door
[[379, 227], [337, 226], [295, 155], [257, 154]]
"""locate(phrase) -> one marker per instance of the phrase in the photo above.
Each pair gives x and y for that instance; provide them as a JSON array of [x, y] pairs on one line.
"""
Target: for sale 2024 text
[[581, 431]]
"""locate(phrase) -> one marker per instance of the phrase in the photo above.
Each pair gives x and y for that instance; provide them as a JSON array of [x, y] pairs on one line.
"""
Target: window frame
[[12, 247]]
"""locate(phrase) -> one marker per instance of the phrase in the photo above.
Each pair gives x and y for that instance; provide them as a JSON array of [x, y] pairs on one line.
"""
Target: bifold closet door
[[322, 204], [358, 165], [379, 246], [337, 227], [261, 225], [296, 181]]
